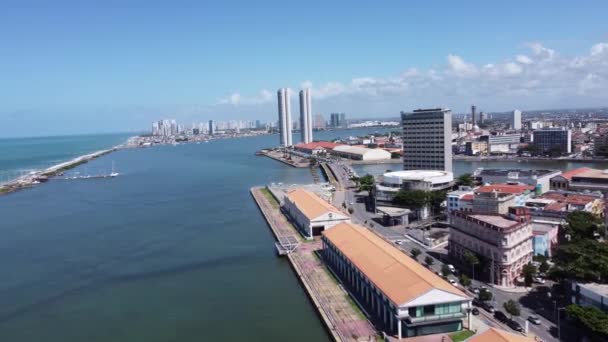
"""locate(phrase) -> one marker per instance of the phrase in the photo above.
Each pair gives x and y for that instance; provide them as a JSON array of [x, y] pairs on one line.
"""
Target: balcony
[[430, 318]]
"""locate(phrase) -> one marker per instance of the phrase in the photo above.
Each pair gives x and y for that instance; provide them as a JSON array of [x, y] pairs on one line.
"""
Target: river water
[[174, 249]]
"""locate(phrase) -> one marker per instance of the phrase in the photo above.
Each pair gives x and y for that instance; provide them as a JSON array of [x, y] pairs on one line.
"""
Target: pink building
[[503, 243]]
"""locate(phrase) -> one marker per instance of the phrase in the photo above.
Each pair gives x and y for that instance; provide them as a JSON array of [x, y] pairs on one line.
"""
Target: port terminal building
[[310, 213], [402, 296]]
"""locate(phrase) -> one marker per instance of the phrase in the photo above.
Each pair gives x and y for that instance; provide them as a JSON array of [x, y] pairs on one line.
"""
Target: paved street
[[364, 217]]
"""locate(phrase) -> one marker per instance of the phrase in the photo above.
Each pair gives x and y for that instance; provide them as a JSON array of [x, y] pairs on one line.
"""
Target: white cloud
[[523, 59], [236, 99], [545, 79]]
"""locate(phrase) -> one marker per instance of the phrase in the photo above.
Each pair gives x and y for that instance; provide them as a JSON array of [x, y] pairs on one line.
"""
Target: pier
[[342, 317]]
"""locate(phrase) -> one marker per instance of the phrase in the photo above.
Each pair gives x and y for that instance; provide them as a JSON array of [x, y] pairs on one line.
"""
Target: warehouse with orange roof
[[399, 294], [310, 213]]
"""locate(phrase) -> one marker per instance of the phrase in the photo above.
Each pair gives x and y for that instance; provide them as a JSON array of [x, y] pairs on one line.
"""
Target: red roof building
[[516, 189]]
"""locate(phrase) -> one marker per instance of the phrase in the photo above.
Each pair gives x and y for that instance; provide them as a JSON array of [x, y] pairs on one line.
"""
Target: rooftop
[[516, 173], [419, 175], [570, 173], [570, 198], [359, 150], [495, 220], [506, 188], [498, 335], [316, 144], [310, 204], [601, 289], [398, 276], [593, 173]]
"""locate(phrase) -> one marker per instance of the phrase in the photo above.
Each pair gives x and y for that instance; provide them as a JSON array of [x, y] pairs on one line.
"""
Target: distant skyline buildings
[[338, 120], [306, 116], [284, 109]]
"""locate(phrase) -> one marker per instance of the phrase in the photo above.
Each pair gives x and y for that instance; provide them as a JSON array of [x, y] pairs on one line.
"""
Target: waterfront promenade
[[341, 316]]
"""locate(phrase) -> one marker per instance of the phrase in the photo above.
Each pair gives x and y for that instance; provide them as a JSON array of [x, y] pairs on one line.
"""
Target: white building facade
[[284, 107], [306, 115]]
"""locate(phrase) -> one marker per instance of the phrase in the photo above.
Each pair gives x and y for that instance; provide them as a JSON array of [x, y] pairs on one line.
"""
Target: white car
[[539, 280], [452, 281]]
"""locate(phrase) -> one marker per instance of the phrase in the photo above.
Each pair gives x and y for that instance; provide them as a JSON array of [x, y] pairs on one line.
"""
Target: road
[[362, 216]]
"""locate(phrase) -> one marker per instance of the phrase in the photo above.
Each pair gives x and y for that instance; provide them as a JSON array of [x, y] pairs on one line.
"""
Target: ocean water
[[18, 155], [174, 249]]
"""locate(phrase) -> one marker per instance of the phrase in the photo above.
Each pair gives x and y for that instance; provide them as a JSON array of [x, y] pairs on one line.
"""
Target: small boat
[[113, 173]]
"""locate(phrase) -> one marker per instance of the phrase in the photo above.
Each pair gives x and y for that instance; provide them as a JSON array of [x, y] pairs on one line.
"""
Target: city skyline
[[103, 72]]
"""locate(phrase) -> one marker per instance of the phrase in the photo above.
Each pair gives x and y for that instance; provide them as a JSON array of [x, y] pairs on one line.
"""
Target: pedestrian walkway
[[342, 317]]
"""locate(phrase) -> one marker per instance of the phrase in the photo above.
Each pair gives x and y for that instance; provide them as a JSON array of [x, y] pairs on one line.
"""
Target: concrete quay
[[36, 177], [342, 318], [294, 162]]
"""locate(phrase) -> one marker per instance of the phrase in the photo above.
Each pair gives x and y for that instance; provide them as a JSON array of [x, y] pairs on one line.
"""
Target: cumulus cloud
[[237, 99], [541, 78]]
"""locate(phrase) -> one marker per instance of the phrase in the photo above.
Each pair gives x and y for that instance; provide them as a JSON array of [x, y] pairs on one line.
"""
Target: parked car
[[477, 302], [452, 268], [489, 308], [539, 280], [452, 281], [475, 311], [515, 326], [500, 316], [474, 289], [534, 320]]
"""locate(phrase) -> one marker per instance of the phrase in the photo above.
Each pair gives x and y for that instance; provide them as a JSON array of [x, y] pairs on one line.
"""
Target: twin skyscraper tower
[[284, 104]]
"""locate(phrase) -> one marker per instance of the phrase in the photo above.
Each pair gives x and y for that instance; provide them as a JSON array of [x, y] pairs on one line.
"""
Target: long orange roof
[[398, 276], [497, 335], [310, 204]]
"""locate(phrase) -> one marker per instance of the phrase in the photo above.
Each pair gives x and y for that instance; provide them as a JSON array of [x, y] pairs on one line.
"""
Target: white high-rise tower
[[284, 116], [306, 115], [516, 120]]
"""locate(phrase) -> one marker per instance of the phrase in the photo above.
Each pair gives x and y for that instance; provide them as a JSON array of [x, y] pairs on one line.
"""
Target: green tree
[[512, 308], [366, 183], [485, 295], [413, 199], [429, 261], [471, 259], [583, 260], [544, 267], [465, 179], [582, 225], [415, 253], [589, 318], [464, 280], [435, 199], [445, 270], [528, 272]]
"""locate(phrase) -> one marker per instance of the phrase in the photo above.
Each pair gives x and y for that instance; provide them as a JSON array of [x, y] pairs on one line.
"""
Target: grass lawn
[[461, 335], [270, 198]]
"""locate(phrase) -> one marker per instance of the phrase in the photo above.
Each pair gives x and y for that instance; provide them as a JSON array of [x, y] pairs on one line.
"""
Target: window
[[411, 311], [428, 310]]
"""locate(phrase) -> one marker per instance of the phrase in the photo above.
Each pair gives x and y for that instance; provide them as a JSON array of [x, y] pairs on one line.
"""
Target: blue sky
[[88, 66]]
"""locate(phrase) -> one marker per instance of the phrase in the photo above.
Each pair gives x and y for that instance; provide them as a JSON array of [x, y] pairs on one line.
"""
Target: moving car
[[539, 280], [474, 289], [534, 320]]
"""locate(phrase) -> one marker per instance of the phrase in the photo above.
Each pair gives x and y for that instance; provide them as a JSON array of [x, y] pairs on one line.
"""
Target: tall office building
[[306, 115], [283, 97], [482, 117], [211, 129], [427, 139], [553, 140], [473, 108], [516, 120], [338, 120]]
